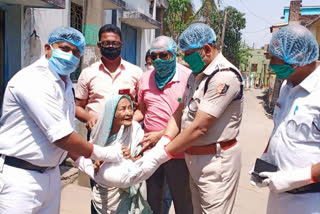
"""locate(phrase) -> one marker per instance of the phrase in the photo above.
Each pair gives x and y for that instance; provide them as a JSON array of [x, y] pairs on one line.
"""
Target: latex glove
[[126, 172], [152, 159], [111, 153], [283, 181], [85, 165], [158, 153], [113, 174], [254, 181]]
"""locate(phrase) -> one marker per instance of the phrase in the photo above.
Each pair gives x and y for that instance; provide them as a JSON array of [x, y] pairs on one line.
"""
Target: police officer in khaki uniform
[[207, 122]]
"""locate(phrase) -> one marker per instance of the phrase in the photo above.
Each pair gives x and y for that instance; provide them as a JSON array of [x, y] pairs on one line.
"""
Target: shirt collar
[[53, 75], [311, 82], [44, 64], [214, 64], [122, 66], [176, 76]]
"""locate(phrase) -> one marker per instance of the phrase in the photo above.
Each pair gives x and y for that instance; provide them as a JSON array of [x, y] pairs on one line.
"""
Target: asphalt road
[[254, 134]]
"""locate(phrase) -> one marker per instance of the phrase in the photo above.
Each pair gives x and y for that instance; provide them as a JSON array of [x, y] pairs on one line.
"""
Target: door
[[129, 41]]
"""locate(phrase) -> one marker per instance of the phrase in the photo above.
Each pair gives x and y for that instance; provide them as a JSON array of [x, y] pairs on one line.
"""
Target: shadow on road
[[265, 102]]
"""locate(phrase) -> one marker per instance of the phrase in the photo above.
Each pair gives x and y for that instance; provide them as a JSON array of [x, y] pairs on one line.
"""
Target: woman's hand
[[96, 166], [126, 152]]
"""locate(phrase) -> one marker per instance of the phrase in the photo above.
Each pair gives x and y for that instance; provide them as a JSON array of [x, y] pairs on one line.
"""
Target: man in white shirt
[[36, 128], [294, 145]]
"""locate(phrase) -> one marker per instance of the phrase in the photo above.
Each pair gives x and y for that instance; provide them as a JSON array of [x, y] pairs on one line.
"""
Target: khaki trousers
[[214, 180]]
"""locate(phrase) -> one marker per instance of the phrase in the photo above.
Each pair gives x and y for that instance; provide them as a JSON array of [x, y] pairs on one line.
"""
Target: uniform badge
[[222, 88]]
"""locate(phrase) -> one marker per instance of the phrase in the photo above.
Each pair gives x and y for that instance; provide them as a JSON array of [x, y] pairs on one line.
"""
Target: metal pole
[[224, 28]]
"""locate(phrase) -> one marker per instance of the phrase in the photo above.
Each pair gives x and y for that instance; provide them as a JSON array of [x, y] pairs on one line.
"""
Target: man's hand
[[282, 181], [150, 140], [91, 122], [126, 152], [255, 182]]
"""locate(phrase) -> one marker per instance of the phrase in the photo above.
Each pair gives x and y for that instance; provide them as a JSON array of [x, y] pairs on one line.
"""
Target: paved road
[[254, 134]]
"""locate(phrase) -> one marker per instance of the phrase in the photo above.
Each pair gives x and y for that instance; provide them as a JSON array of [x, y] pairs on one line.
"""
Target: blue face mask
[[165, 70], [63, 63], [282, 71]]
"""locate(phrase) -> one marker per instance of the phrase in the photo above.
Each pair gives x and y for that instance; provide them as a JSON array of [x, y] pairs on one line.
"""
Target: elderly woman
[[117, 127]]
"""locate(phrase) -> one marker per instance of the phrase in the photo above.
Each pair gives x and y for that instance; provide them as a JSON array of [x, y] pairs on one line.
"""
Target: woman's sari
[[108, 199]]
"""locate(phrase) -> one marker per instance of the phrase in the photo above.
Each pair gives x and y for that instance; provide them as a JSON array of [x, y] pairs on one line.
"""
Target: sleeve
[[40, 101], [82, 90], [222, 90]]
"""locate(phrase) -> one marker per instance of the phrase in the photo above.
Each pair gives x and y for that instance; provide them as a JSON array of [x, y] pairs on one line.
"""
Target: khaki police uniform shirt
[[218, 101]]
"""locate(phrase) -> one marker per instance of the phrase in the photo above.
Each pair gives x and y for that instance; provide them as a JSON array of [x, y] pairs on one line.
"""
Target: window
[[254, 67], [76, 18]]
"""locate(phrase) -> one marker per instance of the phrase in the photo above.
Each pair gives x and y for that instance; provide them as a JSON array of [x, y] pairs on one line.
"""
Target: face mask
[[195, 62], [282, 71], [63, 63], [165, 70], [110, 52]]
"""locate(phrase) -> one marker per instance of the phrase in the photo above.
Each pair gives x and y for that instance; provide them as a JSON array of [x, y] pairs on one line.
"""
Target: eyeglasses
[[107, 44], [163, 56]]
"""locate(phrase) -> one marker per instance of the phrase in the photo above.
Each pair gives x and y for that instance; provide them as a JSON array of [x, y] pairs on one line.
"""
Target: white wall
[[43, 21], [147, 36], [139, 5]]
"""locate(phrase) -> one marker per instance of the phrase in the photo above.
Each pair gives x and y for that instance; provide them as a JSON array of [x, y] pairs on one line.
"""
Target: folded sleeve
[[41, 103], [222, 90], [82, 90]]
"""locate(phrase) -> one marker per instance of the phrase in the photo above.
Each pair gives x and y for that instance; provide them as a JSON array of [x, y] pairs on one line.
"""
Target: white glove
[[113, 174], [254, 181], [283, 181], [158, 153], [126, 172], [85, 165], [109, 153]]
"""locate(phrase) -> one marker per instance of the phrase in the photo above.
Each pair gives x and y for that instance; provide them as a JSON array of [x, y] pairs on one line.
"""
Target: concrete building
[[308, 16], [25, 26], [256, 69], [17, 37]]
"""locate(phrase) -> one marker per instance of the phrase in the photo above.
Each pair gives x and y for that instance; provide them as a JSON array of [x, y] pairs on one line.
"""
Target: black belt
[[306, 189], [22, 164]]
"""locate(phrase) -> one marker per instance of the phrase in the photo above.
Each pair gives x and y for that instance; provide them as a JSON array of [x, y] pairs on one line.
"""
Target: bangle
[[167, 136], [168, 153], [91, 151]]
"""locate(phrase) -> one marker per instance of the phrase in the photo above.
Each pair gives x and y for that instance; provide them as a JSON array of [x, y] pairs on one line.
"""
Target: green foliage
[[177, 17]]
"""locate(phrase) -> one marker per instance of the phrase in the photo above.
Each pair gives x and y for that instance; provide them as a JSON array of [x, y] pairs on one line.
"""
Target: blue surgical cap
[[196, 36], [163, 43], [294, 44], [68, 34]]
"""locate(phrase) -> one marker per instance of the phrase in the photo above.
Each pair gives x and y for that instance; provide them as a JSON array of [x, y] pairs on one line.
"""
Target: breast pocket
[[303, 128], [316, 127]]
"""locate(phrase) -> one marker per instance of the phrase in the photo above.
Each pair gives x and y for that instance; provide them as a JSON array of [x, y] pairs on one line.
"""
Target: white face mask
[[149, 67]]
